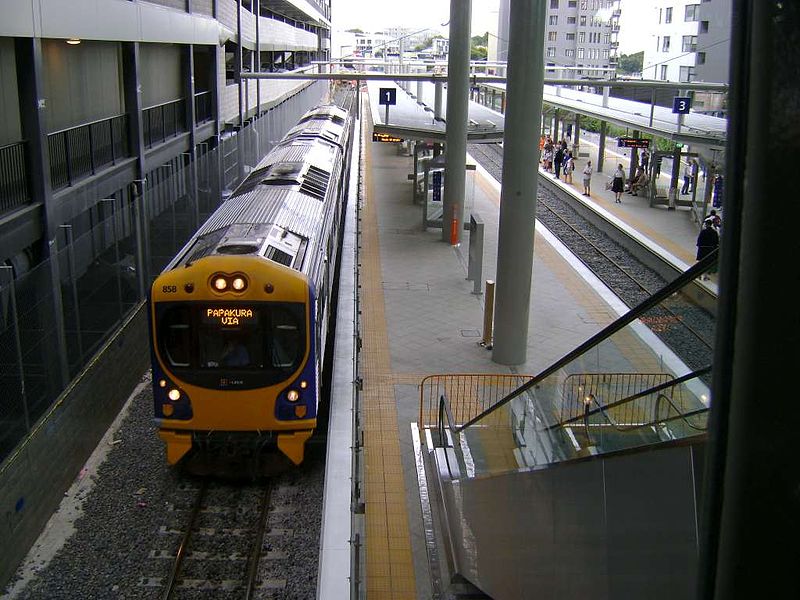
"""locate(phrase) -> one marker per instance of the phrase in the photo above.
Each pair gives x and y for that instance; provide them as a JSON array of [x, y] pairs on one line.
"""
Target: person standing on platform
[[716, 222], [645, 160], [707, 242], [558, 159], [569, 166], [687, 178], [618, 183], [587, 179], [695, 173]]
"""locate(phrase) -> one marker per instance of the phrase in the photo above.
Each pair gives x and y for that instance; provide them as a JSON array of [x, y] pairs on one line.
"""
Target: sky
[[374, 15]]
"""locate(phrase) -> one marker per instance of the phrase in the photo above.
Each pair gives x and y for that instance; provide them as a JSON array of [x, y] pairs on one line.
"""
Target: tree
[[631, 63]]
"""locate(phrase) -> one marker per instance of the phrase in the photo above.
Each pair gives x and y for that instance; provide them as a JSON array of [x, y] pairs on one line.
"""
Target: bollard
[[454, 232], [488, 315]]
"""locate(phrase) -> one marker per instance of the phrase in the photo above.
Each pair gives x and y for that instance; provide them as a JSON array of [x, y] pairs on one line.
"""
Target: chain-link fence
[[55, 317]]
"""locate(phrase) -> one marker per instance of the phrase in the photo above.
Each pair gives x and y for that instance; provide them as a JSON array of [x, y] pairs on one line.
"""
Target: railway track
[[632, 271], [225, 540]]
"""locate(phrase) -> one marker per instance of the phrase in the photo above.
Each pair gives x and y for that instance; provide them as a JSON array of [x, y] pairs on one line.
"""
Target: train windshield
[[265, 342]]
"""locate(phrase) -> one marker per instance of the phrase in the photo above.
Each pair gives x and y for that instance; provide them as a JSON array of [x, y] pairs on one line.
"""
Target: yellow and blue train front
[[234, 351]]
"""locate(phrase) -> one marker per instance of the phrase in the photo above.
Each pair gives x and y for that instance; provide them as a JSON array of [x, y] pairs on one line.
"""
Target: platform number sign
[[437, 186], [681, 105], [388, 96]]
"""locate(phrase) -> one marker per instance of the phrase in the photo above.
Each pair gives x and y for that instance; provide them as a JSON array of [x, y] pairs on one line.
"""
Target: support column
[[419, 92], [520, 182], [457, 119], [601, 147], [555, 127], [675, 180], [634, 162], [576, 137], [191, 119], [437, 101]]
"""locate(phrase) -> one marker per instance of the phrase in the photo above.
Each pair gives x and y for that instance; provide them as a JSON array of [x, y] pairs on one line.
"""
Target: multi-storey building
[[580, 35], [689, 41]]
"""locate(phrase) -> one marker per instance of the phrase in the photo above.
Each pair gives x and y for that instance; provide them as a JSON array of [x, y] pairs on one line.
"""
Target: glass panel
[[643, 383]]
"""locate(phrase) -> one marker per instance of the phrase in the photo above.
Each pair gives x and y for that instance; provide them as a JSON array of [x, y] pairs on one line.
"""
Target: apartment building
[[580, 36], [690, 41]]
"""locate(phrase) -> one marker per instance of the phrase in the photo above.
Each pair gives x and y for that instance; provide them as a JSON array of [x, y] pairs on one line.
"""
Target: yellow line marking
[[390, 571]]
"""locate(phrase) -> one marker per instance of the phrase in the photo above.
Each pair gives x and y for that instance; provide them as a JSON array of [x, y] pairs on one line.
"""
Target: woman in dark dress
[[707, 242], [618, 184]]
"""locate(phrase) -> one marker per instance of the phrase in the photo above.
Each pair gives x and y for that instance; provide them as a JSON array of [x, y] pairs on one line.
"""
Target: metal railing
[[163, 121], [13, 177], [468, 394], [81, 151], [203, 105]]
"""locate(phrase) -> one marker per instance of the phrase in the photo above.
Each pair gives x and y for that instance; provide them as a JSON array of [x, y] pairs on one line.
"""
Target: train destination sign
[[629, 142], [385, 137], [229, 316]]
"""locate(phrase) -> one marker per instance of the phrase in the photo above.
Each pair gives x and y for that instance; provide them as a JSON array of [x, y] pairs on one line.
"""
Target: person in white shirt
[[587, 179]]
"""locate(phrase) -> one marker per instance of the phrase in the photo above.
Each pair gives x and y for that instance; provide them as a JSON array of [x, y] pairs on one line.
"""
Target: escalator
[[583, 480]]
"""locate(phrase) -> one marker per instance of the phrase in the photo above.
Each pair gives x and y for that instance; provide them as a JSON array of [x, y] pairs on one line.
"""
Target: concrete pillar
[[601, 150], [556, 117], [576, 136], [675, 180], [419, 92], [457, 120], [437, 102], [520, 182]]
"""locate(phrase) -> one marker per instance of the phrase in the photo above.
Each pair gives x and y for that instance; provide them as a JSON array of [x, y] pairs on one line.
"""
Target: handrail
[[88, 123], [175, 101], [687, 277], [642, 394]]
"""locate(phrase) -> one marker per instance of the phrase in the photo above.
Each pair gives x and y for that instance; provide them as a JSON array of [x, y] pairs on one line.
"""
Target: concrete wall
[[10, 130], [33, 480], [160, 73], [716, 42]]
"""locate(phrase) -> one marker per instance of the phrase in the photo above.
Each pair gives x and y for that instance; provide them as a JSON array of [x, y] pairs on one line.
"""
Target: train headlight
[[174, 395], [239, 284], [220, 283], [303, 385], [162, 383], [293, 396]]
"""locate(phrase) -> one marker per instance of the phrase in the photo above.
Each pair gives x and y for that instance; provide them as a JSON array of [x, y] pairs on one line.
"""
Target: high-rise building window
[[665, 44], [703, 27], [553, 3], [583, 21], [584, 4], [581, 37], [552, 36], [686, 74], [572, 4], [692, 12], [551, 52], [701, 58], [663, 72], [569, 53], [580, 52], [668, 15], [689, 43], [553, 20], [571, 20], [570, 37], [658, 43]]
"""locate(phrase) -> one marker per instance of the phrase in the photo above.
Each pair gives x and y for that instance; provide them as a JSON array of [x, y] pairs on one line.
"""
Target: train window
[[286, 340], [177, 336], [279, 256]]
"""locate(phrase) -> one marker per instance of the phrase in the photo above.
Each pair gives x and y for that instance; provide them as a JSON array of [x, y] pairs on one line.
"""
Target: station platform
[[420, 317]]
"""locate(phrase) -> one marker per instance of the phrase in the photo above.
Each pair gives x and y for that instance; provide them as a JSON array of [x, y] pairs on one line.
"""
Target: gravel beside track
[[126, 537]]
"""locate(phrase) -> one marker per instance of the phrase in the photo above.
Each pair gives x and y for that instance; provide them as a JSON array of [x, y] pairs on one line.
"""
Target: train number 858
[[169, 289]]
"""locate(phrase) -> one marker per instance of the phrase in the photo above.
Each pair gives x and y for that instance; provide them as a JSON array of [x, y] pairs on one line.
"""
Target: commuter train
[[238, 319]]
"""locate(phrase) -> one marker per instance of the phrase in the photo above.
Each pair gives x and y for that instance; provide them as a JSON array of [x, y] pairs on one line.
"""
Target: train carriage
[[238, 320]]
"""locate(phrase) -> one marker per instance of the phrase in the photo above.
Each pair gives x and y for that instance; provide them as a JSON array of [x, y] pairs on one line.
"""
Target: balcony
[[81, 151], [163, 121], [14, 179]]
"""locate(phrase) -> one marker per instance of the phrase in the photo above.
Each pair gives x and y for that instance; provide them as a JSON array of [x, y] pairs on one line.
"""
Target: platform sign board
[[437, 186], [387, 96], [681, 105], [385, 137], [629, 142]]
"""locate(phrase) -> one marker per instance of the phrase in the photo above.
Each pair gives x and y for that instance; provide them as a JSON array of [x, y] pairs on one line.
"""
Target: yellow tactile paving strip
[[389, 566]]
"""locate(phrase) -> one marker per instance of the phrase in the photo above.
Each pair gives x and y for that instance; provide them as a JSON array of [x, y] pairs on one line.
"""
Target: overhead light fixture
[[73, 41]]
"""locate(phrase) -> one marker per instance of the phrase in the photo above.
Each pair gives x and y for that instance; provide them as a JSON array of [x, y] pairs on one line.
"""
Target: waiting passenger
[[587, 179], [639, 182]]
